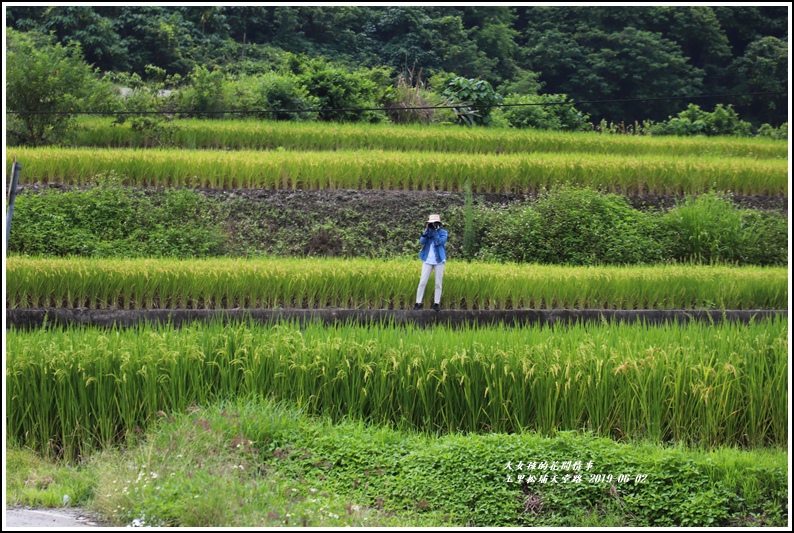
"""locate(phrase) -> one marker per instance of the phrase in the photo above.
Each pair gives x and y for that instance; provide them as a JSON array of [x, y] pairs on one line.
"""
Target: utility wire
[[411, 108]]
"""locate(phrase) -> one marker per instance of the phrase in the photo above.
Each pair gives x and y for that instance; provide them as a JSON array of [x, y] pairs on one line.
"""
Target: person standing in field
[[434, 257]]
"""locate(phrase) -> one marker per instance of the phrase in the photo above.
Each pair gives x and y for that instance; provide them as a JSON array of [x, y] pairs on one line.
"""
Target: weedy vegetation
[[253, 462]]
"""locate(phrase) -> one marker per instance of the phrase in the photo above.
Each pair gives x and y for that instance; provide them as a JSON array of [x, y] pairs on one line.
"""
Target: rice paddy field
[[315, 283], [695, 384], [699, 387], [195, 134], [398, 170]]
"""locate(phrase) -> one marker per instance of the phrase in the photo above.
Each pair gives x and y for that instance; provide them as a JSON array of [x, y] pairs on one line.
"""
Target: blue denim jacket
[[439, 237]]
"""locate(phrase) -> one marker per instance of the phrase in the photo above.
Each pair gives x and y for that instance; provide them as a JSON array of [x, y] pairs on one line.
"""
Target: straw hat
[[435, 218]]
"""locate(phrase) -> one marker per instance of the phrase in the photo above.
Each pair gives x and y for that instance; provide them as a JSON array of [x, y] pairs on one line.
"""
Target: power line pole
[[12, 196]]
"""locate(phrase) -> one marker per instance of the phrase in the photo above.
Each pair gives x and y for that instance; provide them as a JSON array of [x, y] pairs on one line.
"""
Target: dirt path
[[36, 518]]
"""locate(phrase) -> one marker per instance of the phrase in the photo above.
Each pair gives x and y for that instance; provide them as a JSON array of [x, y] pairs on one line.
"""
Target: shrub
[[337, 90], [725, 121], [205, 92], [545, 112], [575, 227], [765, 238], [707, 228], [768, 131], [565, 226], [473, 93], [42, 76], [113, 221], [695, 121], [273, 91], [525, 82], [157, 100]]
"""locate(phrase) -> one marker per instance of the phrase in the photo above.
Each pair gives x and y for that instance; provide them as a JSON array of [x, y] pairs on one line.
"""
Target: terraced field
[[74, 389], [369, 284]]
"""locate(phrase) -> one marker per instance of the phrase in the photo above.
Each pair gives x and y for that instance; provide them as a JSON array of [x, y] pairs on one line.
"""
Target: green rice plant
[[317, 283], [707, 385], [257, 135], [427, 171]]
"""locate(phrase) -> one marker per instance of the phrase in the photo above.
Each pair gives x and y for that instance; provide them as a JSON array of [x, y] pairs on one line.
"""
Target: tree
[[477, 97], [631, 64], [433, 39], [763, 68], [157, 103], [155, 35], [696, 30], [287, 23], [525, 82], [94, 33], [280, 92], [205, 92], [744, 24], [46, 77], [341, 92], [457, 50], [586, 52], [493, 28]]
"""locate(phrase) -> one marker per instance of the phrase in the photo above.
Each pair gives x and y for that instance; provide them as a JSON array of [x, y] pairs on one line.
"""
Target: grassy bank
[[565, 226], [252, 463]]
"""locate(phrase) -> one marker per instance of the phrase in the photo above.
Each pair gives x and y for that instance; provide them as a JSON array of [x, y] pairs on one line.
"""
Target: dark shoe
[[435, 307], [417, 306]]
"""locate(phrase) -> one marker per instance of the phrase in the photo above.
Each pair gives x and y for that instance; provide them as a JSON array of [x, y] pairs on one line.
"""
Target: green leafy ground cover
[[561, 226], [253, 463]]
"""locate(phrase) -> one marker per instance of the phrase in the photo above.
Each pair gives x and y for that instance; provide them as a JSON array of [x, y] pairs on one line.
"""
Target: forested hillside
[[624, 64]]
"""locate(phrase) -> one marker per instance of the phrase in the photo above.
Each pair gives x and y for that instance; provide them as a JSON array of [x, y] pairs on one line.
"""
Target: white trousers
[[426, 269]]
